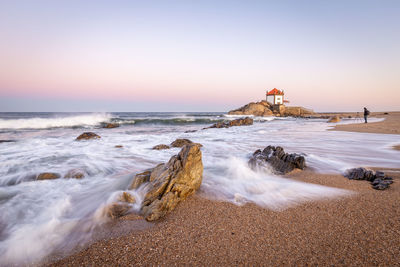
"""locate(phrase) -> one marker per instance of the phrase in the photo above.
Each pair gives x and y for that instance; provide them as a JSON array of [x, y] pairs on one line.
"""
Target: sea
[[38, 218]]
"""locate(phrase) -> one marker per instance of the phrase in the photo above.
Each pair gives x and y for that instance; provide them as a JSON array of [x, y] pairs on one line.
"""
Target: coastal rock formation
[[262, 108], [276, 157], [75, 173], [181, 142], [378, 179], [160, 147], [87, 136], [237, 122], [110, 125], [48, 176], [334, 119], [170, 183]]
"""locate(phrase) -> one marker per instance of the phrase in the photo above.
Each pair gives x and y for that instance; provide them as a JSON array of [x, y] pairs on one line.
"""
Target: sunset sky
[[198, 55]]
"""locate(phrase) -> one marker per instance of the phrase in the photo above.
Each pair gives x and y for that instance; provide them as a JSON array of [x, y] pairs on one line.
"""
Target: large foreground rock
[[378, 179], [87, 136], [170, 183], [276, 157]]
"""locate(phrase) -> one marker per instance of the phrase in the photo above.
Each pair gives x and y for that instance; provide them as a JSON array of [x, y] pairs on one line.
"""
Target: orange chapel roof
[[275, 92]]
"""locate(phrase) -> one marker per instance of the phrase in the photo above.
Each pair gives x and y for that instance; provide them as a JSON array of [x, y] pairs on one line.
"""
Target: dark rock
[[378, 179], [87, 136], [181, 142], [237, 122], [48, 176], [190, 131], [110, 125], [170, 183], [119, 146], [276, 157], [160, 147], [7, 141]]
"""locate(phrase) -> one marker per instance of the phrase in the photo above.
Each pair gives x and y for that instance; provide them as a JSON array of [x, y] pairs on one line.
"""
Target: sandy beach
[[391, 124], [358, 230]]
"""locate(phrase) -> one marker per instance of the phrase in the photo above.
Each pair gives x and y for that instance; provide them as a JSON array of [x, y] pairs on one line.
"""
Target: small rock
[[334, 119], [117, 210], [87, 136], [119, 146], [111, 125], [48, 176], [161, 147], [181, 142], [75, 173]]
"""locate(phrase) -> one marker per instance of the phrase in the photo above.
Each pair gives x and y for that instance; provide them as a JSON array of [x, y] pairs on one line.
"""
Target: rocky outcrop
[[378, 179], [170, 183], [296, 111], [262, 108], [87, 136], [160, 147], [237, 122], [48, 176], [276, 157], [110, 125], [181, 142], [334, 119]]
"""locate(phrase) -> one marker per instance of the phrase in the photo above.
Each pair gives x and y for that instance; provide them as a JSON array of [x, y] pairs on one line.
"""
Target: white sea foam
[[239, 184], [42, 123]]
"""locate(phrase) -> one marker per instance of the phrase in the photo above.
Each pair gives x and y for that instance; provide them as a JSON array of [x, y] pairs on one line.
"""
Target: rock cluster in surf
[[378, 179], [281, 162], [170, 183], [237, 122]]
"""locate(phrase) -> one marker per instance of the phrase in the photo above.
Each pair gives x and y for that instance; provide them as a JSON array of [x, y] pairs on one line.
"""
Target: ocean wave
[[55, 122], [168, 121]]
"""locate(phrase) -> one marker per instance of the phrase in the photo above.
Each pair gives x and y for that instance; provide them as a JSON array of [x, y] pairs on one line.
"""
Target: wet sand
[[391, 125], [354, 231]]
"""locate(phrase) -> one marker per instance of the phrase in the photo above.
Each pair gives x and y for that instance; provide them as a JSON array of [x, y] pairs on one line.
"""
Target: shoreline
[[391, 125], [356, 230]]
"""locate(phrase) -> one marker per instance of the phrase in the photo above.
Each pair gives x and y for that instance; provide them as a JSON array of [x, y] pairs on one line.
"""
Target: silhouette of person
[[366, 113]]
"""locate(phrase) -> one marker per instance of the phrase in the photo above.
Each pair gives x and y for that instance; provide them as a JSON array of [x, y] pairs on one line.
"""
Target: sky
[[198, 55]]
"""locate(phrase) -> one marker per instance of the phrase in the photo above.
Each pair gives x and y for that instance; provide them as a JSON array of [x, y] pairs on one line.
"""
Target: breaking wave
[[83, 120]]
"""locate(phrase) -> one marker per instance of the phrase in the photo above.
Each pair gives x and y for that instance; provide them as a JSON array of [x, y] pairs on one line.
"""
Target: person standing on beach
[[366, 113]]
